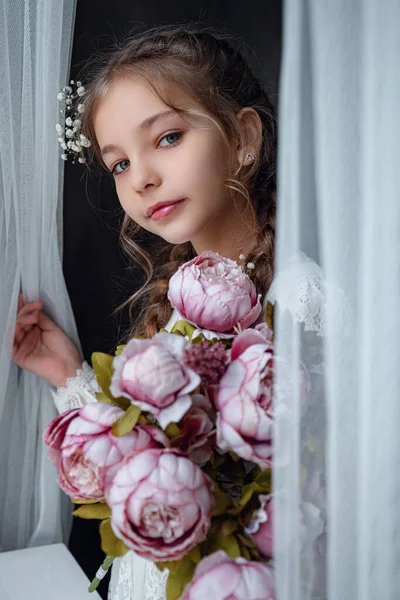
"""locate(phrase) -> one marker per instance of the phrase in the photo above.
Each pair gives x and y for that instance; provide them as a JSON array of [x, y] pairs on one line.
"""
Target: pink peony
[[210, 362], [215, 294], [219, 577], [197, 437], [308, 526], [86, 453], [250, 337], [161, 504], [152, 375], [261, 526], [244, 400]]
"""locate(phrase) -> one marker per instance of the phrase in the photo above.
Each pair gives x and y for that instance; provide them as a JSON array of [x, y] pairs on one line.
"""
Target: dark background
[[97, 275]]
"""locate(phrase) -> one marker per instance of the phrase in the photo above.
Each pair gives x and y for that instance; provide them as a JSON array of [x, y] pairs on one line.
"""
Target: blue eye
[[170, 138], [120, 167]]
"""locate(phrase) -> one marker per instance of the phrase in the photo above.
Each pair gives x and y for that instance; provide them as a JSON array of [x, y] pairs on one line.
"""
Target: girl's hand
[[41, 347]]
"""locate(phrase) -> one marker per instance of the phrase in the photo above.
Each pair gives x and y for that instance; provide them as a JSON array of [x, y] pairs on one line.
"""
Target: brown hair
[[204, 64]]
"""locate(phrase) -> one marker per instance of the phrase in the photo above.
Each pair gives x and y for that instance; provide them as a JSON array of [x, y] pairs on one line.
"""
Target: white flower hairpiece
[[250, 266], [72, 141]]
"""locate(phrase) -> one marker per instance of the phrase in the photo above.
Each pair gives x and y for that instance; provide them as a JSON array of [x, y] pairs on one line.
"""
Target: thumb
[[45, 322]]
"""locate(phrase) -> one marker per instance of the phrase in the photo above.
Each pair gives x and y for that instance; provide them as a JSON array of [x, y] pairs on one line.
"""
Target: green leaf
[[110, 544], [103, 369], [93, 511], [248, 492], [101, 397], [194, 555], [178, 580], [261, 485], [230, 545], [229, 526], [222, 501], [172, 431], [264, 479], [227, 543], [127, 422], [234, 456], [217, 459], [121, 402], [92, 501], [120, 349], [184, 328]]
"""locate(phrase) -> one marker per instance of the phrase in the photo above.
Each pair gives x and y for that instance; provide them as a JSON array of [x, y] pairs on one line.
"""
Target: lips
[[162, 209]]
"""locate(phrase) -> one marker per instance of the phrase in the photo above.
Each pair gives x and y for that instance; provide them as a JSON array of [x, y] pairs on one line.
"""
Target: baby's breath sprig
[[71, 139], [248, 265]]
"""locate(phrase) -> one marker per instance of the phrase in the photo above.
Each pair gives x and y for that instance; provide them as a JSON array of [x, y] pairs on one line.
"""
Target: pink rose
[[244, 400], [215, 294], [219, 577], [161, 504], [86, 453], [151, 373], [197, 437]]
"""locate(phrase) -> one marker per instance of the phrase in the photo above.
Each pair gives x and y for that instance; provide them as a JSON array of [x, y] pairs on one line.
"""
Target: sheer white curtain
[[339, 182], [35, 46]]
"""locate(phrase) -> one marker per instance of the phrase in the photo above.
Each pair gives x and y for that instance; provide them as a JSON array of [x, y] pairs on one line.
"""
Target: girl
[[189, 135]]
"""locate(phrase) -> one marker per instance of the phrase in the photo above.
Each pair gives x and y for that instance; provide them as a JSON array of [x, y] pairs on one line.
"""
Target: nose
[[144, 176]]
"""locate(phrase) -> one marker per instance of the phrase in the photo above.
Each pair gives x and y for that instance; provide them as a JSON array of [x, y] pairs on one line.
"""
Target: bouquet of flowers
[[175, 458]]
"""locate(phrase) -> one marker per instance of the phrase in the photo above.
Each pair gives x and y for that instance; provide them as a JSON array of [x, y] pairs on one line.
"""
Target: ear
[[252, 128]]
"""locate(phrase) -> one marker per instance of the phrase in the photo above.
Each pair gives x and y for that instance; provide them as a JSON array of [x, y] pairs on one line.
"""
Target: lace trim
[[123, 578], [155, 582], [300, 289], [137, 579], [79, 390]]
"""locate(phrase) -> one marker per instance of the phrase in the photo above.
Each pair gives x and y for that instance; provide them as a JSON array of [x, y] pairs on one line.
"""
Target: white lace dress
[[299, 290]]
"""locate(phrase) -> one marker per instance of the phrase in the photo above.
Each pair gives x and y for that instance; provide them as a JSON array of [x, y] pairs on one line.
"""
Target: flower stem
[[101, 572]]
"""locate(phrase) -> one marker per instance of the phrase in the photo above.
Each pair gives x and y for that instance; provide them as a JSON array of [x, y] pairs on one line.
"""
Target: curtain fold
[[35, 48], [339, 203]]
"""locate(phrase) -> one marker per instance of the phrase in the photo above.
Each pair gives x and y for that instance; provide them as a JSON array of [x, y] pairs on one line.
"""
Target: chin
[[177, 233], [176, 238]]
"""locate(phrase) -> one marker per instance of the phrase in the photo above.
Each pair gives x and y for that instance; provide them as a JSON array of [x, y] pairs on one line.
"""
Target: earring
[[248, 158]]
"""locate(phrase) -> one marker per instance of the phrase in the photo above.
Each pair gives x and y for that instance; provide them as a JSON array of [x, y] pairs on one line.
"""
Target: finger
[[21, 301], [28, 319], [17, 353], [29, 307], [23, 325], [14, 352], [19, 335], [45, 322]]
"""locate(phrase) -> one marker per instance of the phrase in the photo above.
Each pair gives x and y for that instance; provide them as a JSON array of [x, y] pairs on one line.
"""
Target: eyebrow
[[146, 124]]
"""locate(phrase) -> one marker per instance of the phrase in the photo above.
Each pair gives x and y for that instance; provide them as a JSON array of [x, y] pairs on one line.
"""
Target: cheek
[[125, 199], [208, 170]]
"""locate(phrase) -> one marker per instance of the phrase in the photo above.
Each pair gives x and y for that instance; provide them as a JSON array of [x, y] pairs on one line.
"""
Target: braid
[[158, 313]]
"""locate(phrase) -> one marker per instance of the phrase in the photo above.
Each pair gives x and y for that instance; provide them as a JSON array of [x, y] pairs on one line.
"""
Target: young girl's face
[[169, 171]]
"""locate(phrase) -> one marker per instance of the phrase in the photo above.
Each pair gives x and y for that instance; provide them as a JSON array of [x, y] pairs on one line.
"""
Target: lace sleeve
[[300, 290], [79, 390], [134, 578]]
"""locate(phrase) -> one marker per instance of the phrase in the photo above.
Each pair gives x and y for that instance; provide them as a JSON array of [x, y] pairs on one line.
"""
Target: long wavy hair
[[204, 64]]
